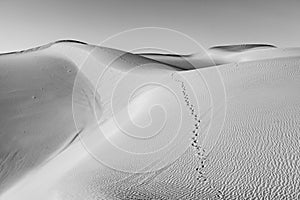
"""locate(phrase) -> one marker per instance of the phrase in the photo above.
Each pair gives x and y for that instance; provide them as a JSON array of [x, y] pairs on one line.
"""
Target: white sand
[[248, 136]]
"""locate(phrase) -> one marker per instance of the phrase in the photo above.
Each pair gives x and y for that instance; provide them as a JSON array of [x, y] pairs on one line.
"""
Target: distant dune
[[79, 123], [242, 47], [218, 55]]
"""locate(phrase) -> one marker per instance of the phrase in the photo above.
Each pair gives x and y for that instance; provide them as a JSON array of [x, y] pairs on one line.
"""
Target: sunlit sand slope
[[38, 97], [234, 140], [36, 119]]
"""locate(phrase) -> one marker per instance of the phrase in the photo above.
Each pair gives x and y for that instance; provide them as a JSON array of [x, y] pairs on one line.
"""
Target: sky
[[29, 23]]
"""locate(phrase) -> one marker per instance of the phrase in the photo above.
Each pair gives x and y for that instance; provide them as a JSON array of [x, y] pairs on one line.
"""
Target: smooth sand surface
[[229, 131]]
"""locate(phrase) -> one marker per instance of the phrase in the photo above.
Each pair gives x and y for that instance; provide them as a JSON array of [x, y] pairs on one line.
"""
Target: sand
[[226, 130]]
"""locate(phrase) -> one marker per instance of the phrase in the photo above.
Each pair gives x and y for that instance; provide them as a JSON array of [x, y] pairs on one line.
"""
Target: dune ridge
[[241, 47], [221, 55]]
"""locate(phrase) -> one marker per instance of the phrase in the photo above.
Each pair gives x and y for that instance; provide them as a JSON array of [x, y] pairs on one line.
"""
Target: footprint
[[199, 150]]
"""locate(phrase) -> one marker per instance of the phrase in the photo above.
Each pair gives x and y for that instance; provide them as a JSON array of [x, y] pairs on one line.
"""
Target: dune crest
[[241, 47], [221, 55]]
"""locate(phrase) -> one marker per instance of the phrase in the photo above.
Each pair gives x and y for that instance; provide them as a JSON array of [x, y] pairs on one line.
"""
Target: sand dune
[[220, 55], [242, 47], [88, 122]]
